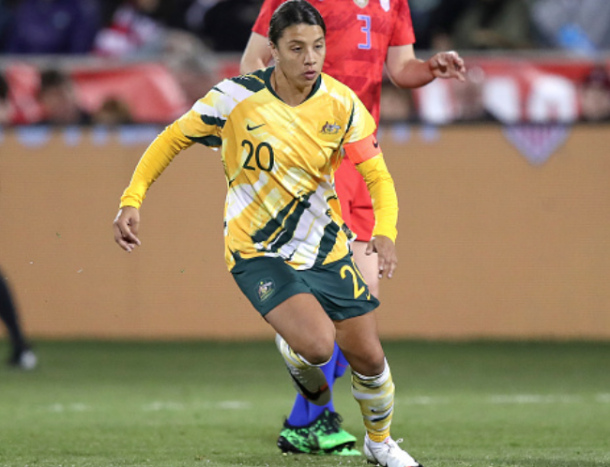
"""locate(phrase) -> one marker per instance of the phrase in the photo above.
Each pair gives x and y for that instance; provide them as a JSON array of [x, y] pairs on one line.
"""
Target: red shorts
[[356, 205]]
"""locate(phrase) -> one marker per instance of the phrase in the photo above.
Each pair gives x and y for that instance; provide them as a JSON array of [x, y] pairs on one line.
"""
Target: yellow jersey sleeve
[[203, 124], [383, 194], [361, 147], [153, 162]]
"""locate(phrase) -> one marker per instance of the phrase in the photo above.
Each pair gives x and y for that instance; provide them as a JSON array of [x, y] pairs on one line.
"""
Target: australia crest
[[265, 289]]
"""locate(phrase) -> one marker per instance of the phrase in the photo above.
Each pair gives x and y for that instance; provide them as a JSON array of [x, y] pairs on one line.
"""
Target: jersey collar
[[267, 78]]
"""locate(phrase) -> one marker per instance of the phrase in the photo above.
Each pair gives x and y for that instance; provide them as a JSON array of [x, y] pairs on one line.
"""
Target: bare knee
[[305, 326], [375, 367], [369, 363], [318, 350]]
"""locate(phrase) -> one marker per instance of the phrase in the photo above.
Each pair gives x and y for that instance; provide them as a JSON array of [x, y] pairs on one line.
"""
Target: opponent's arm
[[407, 71], [257, 54], [152, 164]]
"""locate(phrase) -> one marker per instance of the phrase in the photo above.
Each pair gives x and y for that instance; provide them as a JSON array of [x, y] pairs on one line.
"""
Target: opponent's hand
[[447, 65], [386, 254], [125, 228]]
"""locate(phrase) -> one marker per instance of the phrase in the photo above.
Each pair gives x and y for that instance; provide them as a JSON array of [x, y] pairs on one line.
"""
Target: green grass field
[[222, 404]]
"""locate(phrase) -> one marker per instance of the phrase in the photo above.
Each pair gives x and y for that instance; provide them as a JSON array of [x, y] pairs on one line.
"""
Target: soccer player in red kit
[[362, 36]]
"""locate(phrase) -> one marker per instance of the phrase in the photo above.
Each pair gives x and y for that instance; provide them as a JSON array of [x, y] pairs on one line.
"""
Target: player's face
[[300, 53]]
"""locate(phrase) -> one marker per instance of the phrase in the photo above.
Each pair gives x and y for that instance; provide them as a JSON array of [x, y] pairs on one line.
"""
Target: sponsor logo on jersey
[[265, 289], [252, 128], [330, 129], [361, 3]]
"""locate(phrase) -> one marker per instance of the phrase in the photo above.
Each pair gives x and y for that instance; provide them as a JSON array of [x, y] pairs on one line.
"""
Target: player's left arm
[[368, 158], [405, 70]]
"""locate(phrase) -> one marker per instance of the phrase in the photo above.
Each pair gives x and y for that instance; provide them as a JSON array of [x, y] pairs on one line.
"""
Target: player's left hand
[[447, 65], [386, 254]]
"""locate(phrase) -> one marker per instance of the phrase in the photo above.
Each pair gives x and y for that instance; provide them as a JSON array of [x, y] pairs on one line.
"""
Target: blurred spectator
[[113, 112], [578, 25], [397, 105], [481, 25], [552, 98], [422, 15], [6, 111], [58, 100], [469, 98], [5, 19], [194, 76], [138, 28], [53, 27], [447, 102], [595, 96], [132, 31], [225, 25]]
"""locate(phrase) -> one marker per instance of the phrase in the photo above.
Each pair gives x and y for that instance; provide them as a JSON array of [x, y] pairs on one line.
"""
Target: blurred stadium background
[[503, 179]]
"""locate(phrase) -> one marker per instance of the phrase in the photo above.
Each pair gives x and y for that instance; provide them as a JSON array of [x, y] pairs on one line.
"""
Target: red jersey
[[358, 34]]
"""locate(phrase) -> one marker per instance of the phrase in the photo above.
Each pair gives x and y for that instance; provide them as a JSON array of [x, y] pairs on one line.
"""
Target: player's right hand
[[125, 226]]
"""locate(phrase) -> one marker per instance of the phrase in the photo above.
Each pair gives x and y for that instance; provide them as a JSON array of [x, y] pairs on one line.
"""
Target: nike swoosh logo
[[310, 396], [250, 128]]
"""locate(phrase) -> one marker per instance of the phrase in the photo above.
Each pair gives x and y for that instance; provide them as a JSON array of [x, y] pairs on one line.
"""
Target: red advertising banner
[[508, 90], [512, 90]]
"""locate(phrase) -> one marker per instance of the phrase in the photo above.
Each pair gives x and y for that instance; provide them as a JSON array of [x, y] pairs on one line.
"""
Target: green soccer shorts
[[339, 286]]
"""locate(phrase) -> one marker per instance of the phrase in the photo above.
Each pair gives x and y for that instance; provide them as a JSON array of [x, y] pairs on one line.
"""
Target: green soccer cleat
[[297, 439], [344, 451], [331, 438]]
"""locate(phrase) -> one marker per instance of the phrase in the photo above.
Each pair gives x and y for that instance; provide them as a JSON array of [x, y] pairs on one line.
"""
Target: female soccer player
[[283, 131], [362, 37]]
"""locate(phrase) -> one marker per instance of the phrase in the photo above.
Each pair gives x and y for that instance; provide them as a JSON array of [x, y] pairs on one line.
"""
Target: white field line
[[69, 408], [172, 406], [504, 399], [158, 406], [493, 399]]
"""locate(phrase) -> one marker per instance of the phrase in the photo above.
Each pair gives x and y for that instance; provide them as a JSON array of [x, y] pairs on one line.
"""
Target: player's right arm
[[125, 226], [201, 124], [152, 164]]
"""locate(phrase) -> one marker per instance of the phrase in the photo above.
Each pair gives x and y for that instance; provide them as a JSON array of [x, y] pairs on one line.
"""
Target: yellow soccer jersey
[[279, 163]]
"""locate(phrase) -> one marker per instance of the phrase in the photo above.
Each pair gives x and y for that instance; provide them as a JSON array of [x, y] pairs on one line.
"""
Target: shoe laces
[[296, 430], [393, 446], [394, 443], [329, 422]]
